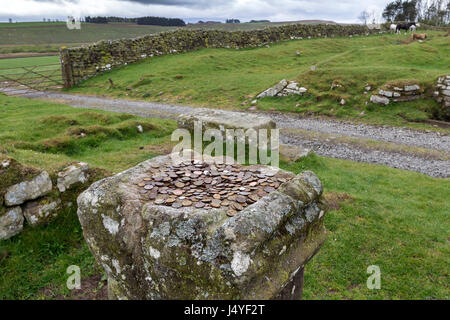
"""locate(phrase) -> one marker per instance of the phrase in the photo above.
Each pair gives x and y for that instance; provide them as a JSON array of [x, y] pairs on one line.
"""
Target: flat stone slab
[[76, 173], [152, 251], [11, 223], [273, 91], [379, 100], [222, 120], [28, 190], [41, 211]]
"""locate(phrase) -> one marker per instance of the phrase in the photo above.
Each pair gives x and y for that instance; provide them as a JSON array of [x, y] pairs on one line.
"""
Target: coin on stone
[[170, 200], [225, 203], [177, 205], [159, 201], [187, 203], [199, 205], [236, 206], [261, 193], [231, 212], [216, 203], [178, 192], [198, 183]]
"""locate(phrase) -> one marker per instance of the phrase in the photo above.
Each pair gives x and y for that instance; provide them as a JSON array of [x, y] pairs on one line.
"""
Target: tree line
[[433, 12], [154, 21]]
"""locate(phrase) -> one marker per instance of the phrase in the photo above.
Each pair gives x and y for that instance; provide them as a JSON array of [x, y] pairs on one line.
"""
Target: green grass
[[111, 139], [39, 258], [395, 219], [58, 33], [224, 78], [50, 36], [28, 62]]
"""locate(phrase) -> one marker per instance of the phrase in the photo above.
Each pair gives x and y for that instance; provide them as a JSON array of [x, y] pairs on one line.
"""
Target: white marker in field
[[73, 24]]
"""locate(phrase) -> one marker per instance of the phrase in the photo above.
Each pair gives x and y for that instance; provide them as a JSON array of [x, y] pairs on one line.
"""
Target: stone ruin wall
[[84, 62]]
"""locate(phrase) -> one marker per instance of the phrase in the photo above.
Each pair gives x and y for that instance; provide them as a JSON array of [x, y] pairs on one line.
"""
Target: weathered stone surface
[[41, 211], [442, 96], [292, 89], [159, 252], [413, 87], [5, 164], [222, 120], [283, 89], [273, 91], [379, 100], [293, 153], [11, 223], [28, 190], [76, 173], [388, 94]]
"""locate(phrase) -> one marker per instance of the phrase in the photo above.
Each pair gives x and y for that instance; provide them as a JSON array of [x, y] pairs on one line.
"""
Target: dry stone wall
[[442, 95], [398, 93], [84, 62], [31, 196]]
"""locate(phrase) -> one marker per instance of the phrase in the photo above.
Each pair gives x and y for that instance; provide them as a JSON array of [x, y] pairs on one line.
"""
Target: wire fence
[[22, 80]]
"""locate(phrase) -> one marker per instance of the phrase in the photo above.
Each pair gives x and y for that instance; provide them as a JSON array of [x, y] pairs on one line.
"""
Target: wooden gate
[[22, 80]]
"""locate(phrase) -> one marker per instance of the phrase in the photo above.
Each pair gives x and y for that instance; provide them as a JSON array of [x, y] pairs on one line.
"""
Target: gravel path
[[399, 136], [432, 167], [428, 140]]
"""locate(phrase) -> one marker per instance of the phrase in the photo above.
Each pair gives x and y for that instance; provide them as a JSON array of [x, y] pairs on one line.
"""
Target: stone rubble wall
[[31, 196], [84, 62], [442, 95], [283, 89], [393, 93]]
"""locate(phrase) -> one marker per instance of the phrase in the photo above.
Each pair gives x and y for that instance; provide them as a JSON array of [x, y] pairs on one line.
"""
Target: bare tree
[[363, 16]]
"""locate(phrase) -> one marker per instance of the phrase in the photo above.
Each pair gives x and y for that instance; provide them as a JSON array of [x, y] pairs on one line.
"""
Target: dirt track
[[402, 148]]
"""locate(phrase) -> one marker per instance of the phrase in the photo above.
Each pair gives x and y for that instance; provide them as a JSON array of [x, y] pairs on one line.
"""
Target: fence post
[[66, 68]]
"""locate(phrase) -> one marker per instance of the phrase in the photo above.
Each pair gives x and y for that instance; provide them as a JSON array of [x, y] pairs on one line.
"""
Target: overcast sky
[[191, 10]]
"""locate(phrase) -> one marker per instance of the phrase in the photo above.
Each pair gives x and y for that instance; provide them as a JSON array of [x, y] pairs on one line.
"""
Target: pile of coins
[[207, 185]]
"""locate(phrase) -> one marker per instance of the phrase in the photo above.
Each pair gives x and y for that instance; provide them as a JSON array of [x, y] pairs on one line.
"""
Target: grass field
[[395, 219], [227, 78], [58, 33], [50, 36], [28, 62]]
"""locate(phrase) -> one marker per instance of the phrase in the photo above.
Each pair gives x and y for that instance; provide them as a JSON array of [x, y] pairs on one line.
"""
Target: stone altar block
[[202, 230]]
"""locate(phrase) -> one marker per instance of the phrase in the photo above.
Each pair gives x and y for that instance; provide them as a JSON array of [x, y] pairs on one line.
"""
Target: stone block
[[11, 223], [152, 251], [28, 190]]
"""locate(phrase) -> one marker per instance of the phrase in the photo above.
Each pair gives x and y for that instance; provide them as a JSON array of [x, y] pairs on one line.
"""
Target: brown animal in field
[[419, 36]]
